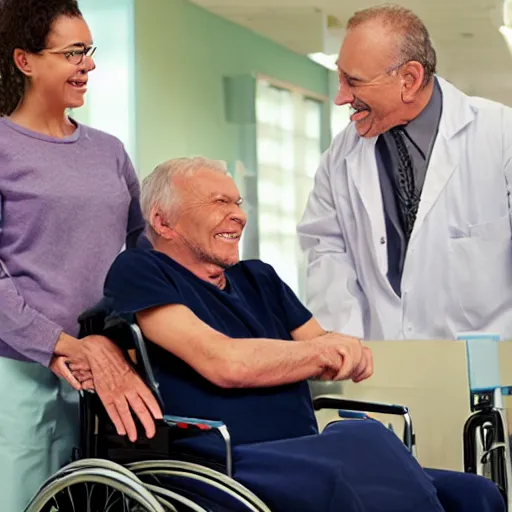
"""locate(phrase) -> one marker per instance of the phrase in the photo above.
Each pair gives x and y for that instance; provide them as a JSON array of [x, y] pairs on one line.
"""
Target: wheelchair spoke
[[71, 499], [86, 497], [89, 496], [109, 496]]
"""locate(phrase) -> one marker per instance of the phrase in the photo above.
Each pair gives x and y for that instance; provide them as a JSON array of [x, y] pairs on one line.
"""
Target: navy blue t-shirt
[[256, 303]]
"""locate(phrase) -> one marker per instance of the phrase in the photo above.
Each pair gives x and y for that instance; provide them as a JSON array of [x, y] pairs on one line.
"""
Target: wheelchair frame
[[197, 426], [106, 457]]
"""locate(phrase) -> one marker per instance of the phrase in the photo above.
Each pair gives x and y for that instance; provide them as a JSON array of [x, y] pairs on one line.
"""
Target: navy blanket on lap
[[355, 466]]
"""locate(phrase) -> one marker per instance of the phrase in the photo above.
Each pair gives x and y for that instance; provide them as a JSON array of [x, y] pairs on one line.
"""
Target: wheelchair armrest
[[201, 425], [328, 402]]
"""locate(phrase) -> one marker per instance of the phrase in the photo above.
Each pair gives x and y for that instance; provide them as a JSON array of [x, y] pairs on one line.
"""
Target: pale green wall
[[182, 53]]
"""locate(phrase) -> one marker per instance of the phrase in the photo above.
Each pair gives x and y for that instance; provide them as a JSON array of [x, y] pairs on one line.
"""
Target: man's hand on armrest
[[116, 383]]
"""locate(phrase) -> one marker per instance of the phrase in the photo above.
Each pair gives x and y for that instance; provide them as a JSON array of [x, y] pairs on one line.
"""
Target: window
[[288, 151], [340, 118]]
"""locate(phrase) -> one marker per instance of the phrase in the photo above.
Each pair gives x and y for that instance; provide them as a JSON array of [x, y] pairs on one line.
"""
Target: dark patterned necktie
[[407, 194]]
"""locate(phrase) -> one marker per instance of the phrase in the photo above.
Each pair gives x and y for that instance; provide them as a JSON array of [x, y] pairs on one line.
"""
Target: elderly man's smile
[[228, 237]]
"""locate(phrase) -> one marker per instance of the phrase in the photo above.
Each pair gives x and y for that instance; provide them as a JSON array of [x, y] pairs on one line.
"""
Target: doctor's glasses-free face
[[373, 101]]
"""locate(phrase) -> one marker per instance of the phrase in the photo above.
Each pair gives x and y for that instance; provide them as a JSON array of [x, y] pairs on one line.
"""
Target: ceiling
[[471, 51]]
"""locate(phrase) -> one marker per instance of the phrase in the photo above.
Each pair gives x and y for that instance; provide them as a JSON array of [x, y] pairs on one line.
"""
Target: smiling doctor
[[407, 229]]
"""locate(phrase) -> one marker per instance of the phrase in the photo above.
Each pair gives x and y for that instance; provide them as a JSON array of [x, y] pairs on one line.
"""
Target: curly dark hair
[[25, 24]]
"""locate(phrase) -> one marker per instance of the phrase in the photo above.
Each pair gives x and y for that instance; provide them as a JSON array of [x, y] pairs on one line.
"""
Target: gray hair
[[414, 43], [158, 191]]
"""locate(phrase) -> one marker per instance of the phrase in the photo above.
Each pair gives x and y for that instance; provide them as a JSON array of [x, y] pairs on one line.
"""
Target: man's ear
[[412, 75], [23, 61], [161, 225]]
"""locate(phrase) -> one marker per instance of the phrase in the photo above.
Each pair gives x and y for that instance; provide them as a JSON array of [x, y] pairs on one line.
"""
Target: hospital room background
[[251, 83]]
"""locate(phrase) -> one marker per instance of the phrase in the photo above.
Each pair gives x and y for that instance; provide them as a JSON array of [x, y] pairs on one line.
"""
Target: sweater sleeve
[[22, 327]]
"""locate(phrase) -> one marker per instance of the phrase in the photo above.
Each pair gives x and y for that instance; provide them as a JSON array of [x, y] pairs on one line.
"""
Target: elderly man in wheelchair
[[227, 340]]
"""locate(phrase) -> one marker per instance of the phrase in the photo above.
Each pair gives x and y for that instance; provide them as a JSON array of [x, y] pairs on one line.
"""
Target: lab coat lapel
[[443, 163], [456, 115], [363, 173]]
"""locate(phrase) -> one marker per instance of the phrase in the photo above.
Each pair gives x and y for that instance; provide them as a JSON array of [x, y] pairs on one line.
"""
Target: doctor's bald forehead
[[411, 36]]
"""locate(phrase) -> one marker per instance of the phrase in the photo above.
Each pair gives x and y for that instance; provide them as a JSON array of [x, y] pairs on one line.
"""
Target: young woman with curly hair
[[69, 203]]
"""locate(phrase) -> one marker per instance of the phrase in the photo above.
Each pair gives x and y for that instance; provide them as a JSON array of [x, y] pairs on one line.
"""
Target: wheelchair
[[110, 473]]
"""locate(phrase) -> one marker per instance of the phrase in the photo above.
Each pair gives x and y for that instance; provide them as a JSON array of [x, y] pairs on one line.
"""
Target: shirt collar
[[422, 129]]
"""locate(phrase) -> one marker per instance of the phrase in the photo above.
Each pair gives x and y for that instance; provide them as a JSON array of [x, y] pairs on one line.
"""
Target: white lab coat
[[458, 269]]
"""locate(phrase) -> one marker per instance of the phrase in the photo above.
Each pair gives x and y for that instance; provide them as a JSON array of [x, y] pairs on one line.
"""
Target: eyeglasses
[[76, 57]]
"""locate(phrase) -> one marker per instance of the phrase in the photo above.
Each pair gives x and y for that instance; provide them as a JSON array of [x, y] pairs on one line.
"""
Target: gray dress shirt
[[420, 133]]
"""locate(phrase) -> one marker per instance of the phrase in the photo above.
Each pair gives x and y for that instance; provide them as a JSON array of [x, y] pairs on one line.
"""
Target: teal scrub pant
[[39, 427]]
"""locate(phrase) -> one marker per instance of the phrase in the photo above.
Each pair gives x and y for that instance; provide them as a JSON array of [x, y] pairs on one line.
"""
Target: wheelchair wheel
[[91, 463], [96, 490], [179, 475], [184, 503]]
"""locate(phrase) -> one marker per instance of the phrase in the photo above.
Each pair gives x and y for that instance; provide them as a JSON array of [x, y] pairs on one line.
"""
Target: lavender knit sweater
[[67, 208]]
